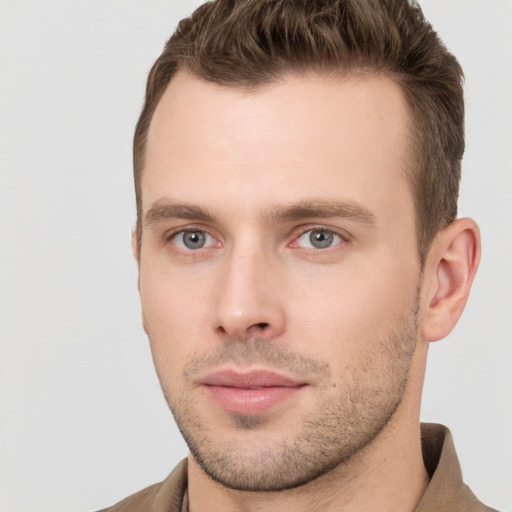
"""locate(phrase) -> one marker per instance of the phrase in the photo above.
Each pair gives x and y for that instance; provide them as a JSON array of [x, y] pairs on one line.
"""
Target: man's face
[[278, 271]]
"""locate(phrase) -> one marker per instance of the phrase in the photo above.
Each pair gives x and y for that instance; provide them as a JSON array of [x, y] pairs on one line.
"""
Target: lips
[[250, 393]]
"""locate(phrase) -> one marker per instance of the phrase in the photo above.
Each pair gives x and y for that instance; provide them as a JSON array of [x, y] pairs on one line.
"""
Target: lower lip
[[250, 401]]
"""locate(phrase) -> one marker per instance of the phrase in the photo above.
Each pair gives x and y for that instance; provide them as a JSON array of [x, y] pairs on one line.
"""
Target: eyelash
[[169, 236], [344, 237], [329, 231]]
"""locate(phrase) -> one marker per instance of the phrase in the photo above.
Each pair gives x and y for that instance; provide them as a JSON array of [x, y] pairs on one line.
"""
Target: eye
[[192, 240], [318, 239]]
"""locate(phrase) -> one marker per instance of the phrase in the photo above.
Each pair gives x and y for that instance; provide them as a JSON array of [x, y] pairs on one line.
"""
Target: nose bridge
[[248, 303]]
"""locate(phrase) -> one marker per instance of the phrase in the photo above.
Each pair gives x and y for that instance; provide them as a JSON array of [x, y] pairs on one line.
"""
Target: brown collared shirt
[[446, 491]]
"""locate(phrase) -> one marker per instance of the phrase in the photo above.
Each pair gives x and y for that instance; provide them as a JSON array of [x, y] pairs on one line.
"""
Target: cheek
[[170, 296], [174, 311], [345, 314]]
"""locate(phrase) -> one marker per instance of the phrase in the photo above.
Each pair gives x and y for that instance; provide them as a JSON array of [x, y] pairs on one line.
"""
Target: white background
[[83, 422]]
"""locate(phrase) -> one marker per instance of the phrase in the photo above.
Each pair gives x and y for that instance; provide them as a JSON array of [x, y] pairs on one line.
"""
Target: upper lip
[[252, 379]]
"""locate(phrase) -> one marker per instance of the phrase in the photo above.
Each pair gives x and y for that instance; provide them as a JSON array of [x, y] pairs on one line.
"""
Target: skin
[[256, 172]]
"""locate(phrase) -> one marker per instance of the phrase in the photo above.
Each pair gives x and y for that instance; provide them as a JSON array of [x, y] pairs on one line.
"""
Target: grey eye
[[318, 239], [321, 239], [193, 240]]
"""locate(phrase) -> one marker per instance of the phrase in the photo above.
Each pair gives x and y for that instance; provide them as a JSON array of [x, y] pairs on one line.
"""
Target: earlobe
[[449, 272]]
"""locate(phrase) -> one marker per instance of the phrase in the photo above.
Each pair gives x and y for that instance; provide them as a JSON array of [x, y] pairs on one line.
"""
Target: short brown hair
[[247, 43]]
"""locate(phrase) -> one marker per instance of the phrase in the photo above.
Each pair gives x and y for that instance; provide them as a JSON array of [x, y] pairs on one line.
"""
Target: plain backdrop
[[83, 421]]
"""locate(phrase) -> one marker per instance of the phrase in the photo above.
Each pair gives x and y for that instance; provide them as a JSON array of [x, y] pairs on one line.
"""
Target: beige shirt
[[446, 491]]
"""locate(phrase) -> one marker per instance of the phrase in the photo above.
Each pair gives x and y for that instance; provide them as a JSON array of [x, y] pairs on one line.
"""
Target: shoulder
[[140, 500], [166, 495], [446, 491]]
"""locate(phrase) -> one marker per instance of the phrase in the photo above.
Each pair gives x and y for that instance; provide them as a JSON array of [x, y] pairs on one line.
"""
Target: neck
[[388, 475]]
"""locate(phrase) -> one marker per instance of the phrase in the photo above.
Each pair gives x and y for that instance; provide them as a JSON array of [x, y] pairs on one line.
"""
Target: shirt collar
[[445, 492]]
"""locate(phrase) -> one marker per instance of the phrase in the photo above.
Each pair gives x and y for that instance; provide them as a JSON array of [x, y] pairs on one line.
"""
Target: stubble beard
[[341, 425]]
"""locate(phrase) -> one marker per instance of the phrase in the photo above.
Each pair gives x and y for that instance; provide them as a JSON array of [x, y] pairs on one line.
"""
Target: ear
[[449, 272], [136, 254], [135, 246]]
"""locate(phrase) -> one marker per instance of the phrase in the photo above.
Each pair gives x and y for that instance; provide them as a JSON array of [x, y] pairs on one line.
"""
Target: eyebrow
[[323, 209], [161, 211], [310, 209]]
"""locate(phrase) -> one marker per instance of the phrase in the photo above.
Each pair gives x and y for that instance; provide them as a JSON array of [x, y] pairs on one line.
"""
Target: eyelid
[[302, 230], [296, 233], [170, 234]]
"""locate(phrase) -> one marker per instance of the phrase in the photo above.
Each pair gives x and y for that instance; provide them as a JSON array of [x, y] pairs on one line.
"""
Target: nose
[[249, 302]]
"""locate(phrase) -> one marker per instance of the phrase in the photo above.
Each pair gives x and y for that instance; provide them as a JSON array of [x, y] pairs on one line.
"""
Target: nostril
[[262, 325]]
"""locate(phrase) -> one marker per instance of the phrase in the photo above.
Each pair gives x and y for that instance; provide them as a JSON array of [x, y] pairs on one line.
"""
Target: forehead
[[317, 136]]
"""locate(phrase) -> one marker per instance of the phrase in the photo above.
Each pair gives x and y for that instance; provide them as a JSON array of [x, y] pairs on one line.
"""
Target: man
[[296, 169]]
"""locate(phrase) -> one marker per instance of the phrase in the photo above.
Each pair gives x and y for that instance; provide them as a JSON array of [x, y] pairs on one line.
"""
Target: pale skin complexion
[[255, 173]]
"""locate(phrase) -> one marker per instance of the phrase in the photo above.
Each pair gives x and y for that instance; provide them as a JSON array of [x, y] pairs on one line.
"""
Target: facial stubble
[[345, 419]]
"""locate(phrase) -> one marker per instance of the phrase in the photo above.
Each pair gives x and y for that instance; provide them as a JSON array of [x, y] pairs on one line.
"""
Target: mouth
[[250, 393]]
